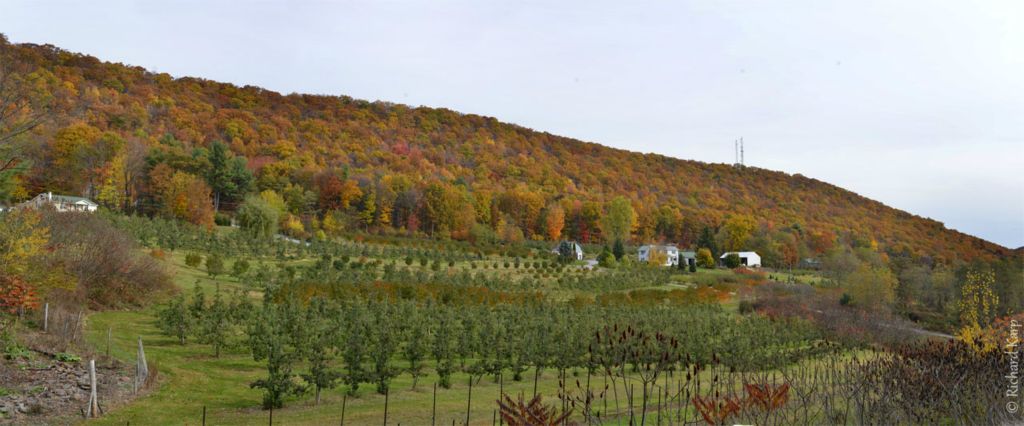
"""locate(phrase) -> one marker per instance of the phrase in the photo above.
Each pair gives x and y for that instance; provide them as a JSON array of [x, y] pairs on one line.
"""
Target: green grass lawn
[[189, 378]]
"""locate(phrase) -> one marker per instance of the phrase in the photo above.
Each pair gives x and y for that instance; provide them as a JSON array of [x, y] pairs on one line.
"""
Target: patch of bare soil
[[40, 384]]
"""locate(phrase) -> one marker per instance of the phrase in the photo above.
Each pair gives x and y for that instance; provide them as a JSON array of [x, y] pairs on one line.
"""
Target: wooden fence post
[[141, 368], [433, 410], [46, 317], [469, 398], [344, 399], [94, 405], [387, 391]]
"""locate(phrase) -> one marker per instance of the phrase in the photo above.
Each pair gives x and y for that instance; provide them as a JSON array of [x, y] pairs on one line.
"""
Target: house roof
[[73, 200], [688, 254], [655, 246], [575, 246]]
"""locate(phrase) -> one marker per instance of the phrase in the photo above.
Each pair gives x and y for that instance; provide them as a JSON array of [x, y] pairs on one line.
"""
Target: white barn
[[61, 203], [747, 258], [576, 249], [671, 254]]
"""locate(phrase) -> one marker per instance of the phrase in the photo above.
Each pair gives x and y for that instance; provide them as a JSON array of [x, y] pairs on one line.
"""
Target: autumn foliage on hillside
[[140, 141]]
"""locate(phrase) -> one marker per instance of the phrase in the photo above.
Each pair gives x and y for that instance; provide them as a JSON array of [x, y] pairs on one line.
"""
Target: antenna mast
[[742, 162], [736, 153]]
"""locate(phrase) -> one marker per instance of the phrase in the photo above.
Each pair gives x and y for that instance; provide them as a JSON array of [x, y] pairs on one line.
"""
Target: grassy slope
[[189, 377]]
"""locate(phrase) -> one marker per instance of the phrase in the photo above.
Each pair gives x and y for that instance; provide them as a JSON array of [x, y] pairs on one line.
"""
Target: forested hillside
[[147, 142]]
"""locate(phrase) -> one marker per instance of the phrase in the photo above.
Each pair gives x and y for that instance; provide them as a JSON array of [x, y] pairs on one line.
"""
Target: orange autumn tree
[[554, 221], [331, 148], [28, 269], [185, 196]]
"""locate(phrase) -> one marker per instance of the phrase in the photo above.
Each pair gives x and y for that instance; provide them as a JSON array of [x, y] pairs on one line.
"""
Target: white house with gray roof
[[671, 253], [61, 203]]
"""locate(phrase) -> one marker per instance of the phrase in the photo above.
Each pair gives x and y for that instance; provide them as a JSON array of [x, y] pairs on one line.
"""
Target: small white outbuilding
[[747, 258]]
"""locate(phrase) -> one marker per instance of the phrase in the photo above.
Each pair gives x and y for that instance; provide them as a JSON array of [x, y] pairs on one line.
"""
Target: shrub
[[117, 274], [16, 351], [193, 260], [732, 260], [746, 307], [704, 258], [214, 265], [221, 219], [618, 249], [258, 218], [67, 357], [239, 268], [936, 383]]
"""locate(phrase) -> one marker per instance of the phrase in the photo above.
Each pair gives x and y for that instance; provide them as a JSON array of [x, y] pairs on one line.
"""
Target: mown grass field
[[190, 378]]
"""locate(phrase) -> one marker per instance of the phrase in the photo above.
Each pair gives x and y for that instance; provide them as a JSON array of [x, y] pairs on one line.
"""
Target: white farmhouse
[[747, 258], [671, 254], [576, 249], [61, 203]]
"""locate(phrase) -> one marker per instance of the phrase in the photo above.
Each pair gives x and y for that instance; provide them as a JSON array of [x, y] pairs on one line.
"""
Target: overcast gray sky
[[918, 104]]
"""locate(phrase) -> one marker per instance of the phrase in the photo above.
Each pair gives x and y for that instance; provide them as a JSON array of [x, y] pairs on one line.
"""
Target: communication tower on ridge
[[738, 147], [736, 153]]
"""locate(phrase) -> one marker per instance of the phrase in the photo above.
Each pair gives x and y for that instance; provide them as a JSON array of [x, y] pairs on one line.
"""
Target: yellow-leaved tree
[[28, 270], [871, 287], [977, 310]]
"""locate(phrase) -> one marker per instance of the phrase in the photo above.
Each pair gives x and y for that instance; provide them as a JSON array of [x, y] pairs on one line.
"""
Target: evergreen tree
[[618, 249], [606, 259], [566, 252], [707, 240], [228, 176], [368, 211]]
